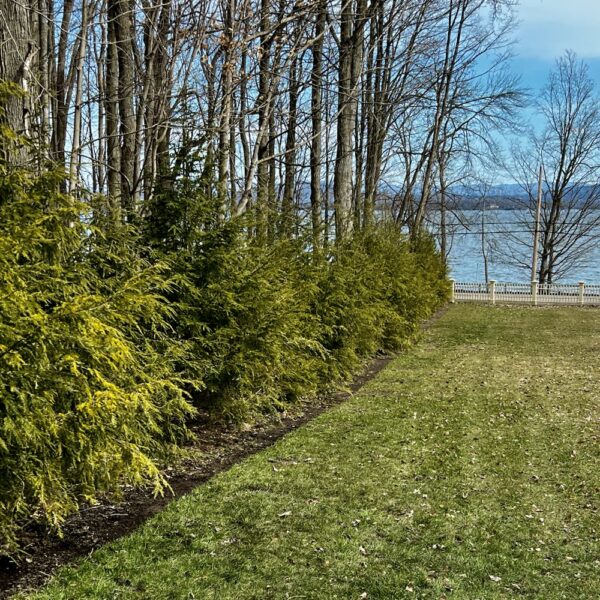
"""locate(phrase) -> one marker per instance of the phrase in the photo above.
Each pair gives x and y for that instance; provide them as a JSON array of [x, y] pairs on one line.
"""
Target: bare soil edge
[[215, 449]]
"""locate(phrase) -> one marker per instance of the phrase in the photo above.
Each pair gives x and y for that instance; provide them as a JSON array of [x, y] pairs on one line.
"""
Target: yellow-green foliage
[[102, 342], [88, 395]]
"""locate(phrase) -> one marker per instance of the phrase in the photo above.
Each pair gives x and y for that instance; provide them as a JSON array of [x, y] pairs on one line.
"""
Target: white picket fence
[[493, 292]]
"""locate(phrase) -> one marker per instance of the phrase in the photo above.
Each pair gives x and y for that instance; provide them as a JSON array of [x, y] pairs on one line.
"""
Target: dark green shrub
[[246, 310], [374, 295], [106, 334], [270, 323]]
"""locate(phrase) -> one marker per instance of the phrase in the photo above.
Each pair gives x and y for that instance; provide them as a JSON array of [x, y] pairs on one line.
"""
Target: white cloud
[[549, 27]]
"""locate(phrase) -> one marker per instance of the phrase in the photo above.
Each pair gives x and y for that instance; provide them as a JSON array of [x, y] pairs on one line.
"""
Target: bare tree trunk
[[375, 109], [243, 110], [351, 46], [287, 205], [16, 55], [457, 13], [151, 43], [549, 240], [326, 215], [112, 107], [45, 17], [317, 120], [359, 157], [272, 164], [163, 82], [443, 191], [342, 185], [226, 103], [76, 148], [59, 132], [262, 172], [15, 58], [100, 60], [126, 90]]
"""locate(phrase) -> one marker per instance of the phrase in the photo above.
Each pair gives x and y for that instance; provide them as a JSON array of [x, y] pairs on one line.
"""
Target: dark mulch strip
[[215, 449]]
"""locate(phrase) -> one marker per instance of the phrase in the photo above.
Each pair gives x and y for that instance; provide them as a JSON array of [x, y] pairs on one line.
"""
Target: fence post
[[492, 291], [581, 292], [452, 291], [534, 292]]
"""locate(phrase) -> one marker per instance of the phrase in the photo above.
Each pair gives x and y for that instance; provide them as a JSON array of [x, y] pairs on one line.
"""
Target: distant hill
[[505, 196], [511, 196]]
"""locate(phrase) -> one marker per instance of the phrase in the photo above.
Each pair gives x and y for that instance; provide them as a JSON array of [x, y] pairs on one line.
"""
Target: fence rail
[[576, 294]]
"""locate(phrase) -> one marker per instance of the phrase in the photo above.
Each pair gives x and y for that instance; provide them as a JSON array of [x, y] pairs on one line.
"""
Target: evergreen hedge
[[89, 394], [110, 339]]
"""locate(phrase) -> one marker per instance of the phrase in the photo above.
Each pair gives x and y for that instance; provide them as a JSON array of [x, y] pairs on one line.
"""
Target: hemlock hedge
[[111, 338], [89, 394]]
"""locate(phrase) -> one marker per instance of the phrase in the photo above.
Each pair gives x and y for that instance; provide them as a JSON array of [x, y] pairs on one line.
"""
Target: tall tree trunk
[[226, 103], [163, 85], [443, 207], [112, 107], [317, 121], [375, 110], [156, 104], [15, 58], [126, 90], [151, 43], [287, 206], [100, 60], [359, 157], [265, 75], [549, 241], [16, 55], [45, 17], [60, 113], [351, 45], [76, 148], [457, 13], [247, 155], [342, 179], [271, 190]]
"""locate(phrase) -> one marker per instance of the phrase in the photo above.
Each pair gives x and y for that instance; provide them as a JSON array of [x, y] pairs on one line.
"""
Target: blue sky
[[544, 30], [547, 28]]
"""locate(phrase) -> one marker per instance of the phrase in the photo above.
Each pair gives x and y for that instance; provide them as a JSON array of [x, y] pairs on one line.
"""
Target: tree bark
[[264, 99], [352, 19], [342, 178], [113, 154], [16, 57], [126, 90], [287, 205], [317, 124], [226, 105], [76, 148]]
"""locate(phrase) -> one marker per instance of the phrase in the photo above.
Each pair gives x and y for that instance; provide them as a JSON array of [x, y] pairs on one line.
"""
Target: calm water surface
[[466, 260]]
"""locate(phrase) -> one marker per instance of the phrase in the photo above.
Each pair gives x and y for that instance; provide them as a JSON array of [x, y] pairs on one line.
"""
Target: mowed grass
[[470, 468]]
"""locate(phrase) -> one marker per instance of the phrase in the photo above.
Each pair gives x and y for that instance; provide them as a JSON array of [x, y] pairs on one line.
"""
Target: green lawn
[[470, 468]]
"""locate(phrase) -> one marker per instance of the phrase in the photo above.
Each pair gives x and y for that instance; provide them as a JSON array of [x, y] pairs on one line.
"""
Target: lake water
[[504, 229]]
